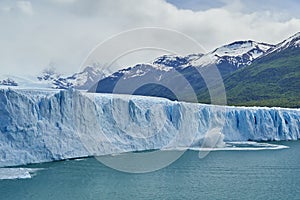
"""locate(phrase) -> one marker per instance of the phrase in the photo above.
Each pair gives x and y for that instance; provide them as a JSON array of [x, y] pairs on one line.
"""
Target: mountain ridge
[[229, 59], [236, 62]]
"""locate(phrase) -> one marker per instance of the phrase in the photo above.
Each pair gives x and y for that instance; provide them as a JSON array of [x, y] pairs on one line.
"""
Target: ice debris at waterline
[[39, 126], [242, 146], [17, 173]]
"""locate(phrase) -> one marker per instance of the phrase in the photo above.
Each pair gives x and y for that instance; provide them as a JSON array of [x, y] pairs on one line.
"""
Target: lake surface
[[265, 174]]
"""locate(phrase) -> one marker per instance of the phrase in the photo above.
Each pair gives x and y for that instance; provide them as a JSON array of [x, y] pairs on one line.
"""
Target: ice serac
[[38, 126]]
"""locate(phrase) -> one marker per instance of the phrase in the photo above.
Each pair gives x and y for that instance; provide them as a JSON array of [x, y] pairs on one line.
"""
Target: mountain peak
[[176, 60], [291, 42], [297, 35], [239, 53], [240, 48]]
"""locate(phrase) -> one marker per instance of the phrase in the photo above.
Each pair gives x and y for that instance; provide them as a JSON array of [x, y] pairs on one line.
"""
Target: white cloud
[[64, 33], [64, 1], [25, 7]]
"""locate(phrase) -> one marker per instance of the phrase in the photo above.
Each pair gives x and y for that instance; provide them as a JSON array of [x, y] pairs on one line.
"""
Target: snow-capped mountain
[[8, 82], [50, 79], [272, 80], [227, 58], [48, 75], [81, 80], [175, 61], [87, 78], [292, 42], [131, 76], [238, 54]]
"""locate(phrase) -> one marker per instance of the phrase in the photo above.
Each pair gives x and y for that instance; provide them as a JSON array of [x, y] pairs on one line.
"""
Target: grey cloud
[[64, 31]]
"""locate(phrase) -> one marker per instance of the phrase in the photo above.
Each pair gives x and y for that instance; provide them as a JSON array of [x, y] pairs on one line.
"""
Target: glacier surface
[[46, 125]]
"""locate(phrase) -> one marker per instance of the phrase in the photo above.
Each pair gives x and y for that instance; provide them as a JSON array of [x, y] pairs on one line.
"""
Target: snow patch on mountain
[[83, 80], [291, 42], [24, 82], [141, 70], [239, 54], [176, 61], [8, 82]]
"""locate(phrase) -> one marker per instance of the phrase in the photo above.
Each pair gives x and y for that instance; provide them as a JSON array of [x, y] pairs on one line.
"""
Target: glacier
[[38, 125]]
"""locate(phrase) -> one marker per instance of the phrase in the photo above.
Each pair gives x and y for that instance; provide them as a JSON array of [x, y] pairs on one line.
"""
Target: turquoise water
[[267, 174]]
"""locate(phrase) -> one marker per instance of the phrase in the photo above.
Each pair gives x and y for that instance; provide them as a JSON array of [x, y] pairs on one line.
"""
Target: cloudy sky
[[36, 34]]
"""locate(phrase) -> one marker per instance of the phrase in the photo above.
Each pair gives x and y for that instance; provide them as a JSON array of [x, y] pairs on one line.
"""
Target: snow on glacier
[[45, 125]]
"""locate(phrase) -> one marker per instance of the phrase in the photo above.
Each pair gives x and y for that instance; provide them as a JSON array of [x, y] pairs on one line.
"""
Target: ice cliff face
[[38, 126]]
